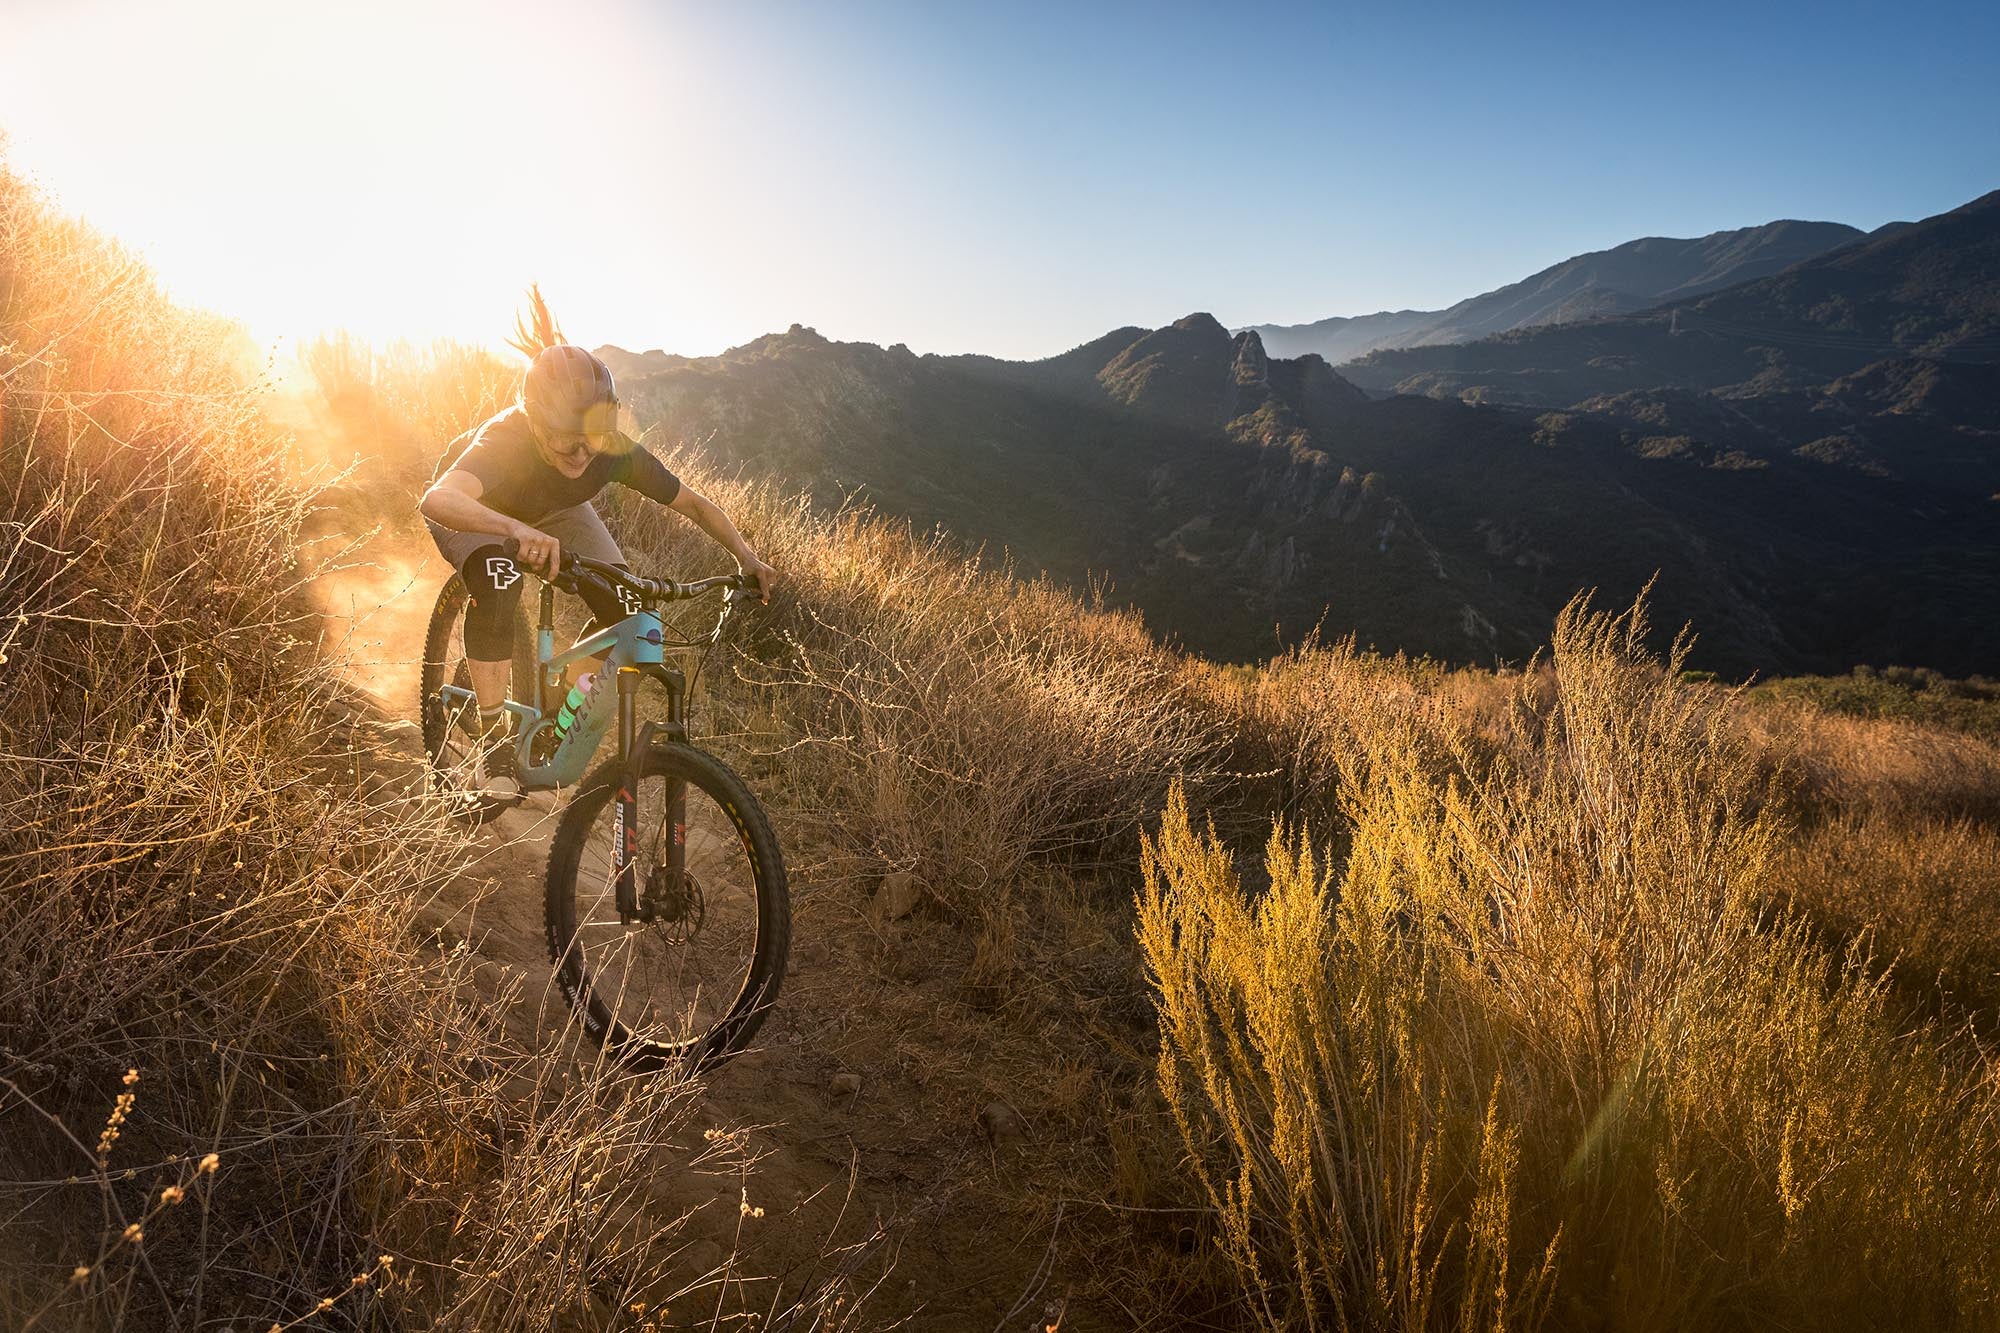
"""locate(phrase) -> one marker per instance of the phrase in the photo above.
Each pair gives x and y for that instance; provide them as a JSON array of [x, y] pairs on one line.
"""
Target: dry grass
[[378, 417], [919, 712], [209, 930], [1923, 891], [1905, 770], [1533, 1049], [1579, 1066]]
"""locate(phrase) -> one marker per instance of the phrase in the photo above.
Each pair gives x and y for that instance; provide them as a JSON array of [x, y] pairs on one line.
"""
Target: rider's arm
[[642, 472], [453, 502], [708, 516]]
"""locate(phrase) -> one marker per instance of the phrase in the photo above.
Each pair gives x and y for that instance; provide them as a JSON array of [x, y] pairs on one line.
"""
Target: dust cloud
[[373, 572], [374, 614]]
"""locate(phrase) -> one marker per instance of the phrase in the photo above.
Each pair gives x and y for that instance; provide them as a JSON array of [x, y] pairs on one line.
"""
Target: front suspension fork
[[625, 847]]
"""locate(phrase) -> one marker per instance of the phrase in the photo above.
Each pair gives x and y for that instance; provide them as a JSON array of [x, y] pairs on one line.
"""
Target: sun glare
[[394, 169]]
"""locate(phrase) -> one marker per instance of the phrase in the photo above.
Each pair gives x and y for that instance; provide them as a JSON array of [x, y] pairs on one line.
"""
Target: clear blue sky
[[1006, 178]]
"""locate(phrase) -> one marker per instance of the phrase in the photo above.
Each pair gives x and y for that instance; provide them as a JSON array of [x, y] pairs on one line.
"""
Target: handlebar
[[652, 591]]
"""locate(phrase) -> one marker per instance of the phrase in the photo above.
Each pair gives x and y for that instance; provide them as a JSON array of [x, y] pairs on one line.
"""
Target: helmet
[[567, 389]]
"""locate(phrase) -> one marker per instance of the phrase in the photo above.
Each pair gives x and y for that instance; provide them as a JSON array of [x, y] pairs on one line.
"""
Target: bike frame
[[634, 651]]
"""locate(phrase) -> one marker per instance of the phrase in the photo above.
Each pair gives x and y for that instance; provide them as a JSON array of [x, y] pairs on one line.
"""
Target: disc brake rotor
[[675, 911]]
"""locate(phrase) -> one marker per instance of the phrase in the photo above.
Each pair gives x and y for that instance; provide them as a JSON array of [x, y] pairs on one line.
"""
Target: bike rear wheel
[[696, 981], [449, 731]]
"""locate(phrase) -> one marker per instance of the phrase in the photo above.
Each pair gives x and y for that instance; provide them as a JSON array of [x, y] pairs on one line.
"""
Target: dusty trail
[[972, 1235]]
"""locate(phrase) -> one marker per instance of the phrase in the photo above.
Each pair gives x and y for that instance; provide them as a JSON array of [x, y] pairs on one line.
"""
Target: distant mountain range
[[1929, 289], [1809, 503], [1634, 276]]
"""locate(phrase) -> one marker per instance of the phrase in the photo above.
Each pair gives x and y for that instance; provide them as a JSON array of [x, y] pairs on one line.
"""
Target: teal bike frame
[[636, 652]]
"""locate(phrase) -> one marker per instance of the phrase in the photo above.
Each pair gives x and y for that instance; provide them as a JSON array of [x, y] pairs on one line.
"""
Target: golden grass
[[920, 712], [237, 1085], [1528, 1037], [1907, 770], [1923, 891], [1535, 1048]]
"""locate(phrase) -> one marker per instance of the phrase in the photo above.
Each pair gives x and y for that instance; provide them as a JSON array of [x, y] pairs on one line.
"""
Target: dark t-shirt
[[501, 453]]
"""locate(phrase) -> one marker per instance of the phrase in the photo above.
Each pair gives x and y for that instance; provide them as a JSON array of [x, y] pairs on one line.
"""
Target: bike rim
[[672, 981]]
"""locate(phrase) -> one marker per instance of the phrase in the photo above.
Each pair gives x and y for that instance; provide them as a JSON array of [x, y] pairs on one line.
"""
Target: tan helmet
[[567, 389]]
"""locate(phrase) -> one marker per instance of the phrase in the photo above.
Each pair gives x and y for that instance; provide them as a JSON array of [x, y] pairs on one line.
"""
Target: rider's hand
[[539, 551], [767, 577]]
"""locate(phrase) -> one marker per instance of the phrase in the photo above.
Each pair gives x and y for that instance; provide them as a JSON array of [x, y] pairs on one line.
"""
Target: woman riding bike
[[529, 474]]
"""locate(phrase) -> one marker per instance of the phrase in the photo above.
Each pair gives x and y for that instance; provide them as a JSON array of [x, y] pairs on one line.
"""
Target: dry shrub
[[212, 888], [1911, 770], [1926, 893], [1298, 723], [924, 713], [1531, 1051]]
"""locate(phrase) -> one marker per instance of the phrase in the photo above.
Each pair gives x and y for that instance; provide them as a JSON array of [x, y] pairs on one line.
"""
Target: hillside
[[1240, 500], [1634, 276]]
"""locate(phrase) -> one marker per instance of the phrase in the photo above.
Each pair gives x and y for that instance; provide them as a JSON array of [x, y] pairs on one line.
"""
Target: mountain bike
[[666, 902]]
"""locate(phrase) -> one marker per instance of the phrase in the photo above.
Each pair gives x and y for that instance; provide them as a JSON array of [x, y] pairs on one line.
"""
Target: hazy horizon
[[1010, 183]]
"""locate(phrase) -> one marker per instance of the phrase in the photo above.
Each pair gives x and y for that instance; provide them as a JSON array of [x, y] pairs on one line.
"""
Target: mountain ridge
[[1807, 513], [1928, 289], [1636, 275]]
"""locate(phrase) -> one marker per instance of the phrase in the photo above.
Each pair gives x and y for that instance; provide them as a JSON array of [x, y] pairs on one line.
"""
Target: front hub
[[673, 902]]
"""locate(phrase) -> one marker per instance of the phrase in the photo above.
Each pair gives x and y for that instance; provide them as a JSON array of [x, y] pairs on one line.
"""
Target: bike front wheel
[[694, 978]]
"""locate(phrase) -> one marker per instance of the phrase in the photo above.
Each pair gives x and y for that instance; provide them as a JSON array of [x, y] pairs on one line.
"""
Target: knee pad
[[494, 581]]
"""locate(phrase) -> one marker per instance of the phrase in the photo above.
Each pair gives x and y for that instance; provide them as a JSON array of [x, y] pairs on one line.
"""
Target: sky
[[1007, 178]]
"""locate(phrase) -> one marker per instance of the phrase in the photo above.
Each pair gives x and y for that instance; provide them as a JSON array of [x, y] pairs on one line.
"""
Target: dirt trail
[[977, 1236]]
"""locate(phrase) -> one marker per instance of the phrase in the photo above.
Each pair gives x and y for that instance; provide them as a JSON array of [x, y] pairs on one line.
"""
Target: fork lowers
[[625, 852]]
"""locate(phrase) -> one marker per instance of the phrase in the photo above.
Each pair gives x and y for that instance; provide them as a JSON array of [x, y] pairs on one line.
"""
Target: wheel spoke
[[673, 979]]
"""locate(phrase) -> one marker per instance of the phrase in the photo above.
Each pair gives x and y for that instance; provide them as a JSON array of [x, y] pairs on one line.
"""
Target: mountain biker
[[529, 474]]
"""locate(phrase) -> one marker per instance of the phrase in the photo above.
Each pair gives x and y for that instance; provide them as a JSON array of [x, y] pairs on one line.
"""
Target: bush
[[1534, 1051]]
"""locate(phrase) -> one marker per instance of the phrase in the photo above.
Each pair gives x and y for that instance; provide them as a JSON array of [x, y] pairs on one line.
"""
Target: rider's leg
[[493, 581], [490, 681], [606, 610]]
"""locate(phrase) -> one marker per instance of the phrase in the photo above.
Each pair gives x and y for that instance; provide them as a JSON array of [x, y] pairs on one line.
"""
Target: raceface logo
[[629, 600], [501, 570]]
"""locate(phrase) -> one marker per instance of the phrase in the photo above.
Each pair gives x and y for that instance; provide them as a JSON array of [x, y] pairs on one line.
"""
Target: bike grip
[[512, 546]]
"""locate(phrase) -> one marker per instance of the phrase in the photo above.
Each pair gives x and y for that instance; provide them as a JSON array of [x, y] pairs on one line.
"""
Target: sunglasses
[[573, 442]]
